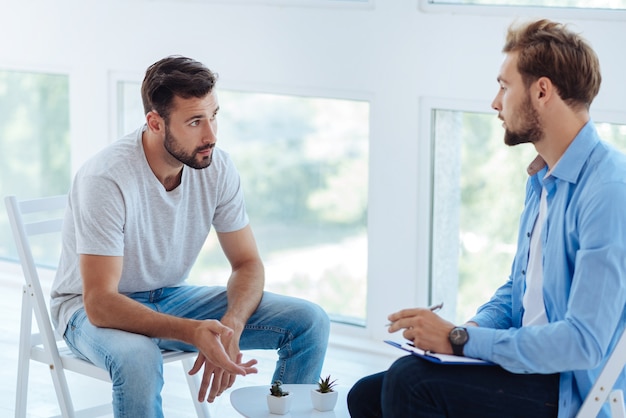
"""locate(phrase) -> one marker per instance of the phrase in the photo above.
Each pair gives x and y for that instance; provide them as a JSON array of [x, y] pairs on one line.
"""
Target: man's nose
[[496, 104], [209, 134]]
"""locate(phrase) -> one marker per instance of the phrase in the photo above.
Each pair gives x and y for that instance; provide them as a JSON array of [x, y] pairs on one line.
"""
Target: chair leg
[[57, 372], [202, 409], [616, 399], [23, 362], [62, 392]]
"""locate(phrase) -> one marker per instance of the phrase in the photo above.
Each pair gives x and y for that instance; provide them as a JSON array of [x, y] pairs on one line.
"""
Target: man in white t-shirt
[[139, 212]]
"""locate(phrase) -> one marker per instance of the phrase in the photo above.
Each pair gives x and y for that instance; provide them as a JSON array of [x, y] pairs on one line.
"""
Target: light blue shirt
[[584, 271]]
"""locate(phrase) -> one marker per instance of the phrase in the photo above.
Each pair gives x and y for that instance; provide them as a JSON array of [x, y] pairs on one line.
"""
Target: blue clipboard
[[439, 358]]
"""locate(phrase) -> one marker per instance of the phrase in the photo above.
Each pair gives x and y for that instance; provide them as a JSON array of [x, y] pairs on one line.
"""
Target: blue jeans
[[298, 329], [416, 388]]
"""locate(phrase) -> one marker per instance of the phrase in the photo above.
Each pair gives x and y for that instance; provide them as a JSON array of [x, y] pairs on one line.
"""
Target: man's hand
[[231, 345], [219, 369], [214, 375], [424, 328], [244, 292]]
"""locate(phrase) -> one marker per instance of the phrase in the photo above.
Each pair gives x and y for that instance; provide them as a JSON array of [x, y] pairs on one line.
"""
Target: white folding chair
[[43, 346], [602, 391]]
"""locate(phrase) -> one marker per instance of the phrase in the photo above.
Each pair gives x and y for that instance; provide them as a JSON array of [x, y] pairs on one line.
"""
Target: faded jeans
[[298, 329], [416, 388]]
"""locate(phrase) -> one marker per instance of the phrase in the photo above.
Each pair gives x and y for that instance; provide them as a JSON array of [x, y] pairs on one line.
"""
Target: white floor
[[345, 365]]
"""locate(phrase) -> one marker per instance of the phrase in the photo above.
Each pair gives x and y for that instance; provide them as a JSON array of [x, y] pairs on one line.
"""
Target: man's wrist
[[236, 324], [458, 337]]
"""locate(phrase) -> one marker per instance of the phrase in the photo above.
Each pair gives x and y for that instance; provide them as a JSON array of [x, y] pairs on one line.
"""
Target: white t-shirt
[[117, 207], [534, 306]]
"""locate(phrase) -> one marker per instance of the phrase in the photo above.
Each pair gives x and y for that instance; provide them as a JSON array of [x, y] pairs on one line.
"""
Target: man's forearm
[[120, 312], [244, 292]]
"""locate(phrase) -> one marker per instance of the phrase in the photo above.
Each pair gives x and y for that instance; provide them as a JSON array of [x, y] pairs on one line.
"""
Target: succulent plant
[[325, 385], [277, 390]]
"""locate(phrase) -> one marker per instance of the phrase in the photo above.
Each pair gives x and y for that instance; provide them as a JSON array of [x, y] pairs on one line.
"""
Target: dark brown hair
[[174, 76], [550, 49]]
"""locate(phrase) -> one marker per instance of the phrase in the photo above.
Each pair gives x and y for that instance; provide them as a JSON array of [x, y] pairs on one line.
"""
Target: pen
[[432, 308]]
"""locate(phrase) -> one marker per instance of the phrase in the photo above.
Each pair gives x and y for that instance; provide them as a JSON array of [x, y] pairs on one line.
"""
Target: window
[[34, 138], [478, 192], [584, 4], [298, 2], [129, 111], [304, 168]]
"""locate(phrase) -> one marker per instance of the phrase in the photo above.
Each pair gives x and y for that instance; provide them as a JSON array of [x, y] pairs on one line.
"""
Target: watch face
[[458, 336]]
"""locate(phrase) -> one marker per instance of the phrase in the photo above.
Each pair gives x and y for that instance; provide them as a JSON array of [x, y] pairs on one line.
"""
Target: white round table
[[251, 403]]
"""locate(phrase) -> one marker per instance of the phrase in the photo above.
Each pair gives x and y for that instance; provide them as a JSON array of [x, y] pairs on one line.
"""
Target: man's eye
[[195, 123]]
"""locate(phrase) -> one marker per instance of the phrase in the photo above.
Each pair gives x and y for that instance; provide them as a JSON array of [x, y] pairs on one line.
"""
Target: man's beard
[[172, 146], [530, 132]]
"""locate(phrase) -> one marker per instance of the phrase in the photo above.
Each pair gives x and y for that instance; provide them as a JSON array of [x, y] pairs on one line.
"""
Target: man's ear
[[155, 122], [544, 89]]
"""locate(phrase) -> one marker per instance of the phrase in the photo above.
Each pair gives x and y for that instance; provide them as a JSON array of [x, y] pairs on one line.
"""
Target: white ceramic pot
[[279, 405], [324, 401]]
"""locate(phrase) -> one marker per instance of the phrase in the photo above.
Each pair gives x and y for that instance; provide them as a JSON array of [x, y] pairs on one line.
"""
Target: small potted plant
[[278, 401], [324, 398]]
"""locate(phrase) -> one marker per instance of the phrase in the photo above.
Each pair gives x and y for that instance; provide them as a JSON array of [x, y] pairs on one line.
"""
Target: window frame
[[318, 4], [114, 99], [550, 12]]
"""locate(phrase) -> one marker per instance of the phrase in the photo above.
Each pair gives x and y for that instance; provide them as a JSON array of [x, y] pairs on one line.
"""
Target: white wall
[[390, 52]]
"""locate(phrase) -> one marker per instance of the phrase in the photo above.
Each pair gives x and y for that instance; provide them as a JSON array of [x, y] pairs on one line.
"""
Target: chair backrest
[[46, 219]]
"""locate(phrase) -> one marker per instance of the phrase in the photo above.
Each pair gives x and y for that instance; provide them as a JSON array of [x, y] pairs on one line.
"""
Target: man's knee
[[364, 397], [318, 319], [407, 371], [307, 318], [135, 359]]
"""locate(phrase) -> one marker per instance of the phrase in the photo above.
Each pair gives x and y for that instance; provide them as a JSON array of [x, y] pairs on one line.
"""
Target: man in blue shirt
[[554, 323]]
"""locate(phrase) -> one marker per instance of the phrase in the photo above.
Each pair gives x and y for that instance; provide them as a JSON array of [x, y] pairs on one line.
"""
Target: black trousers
[[416, 388]]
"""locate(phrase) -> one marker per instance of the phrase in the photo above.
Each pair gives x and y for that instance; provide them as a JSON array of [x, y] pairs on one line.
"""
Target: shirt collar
[[571, 162]]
